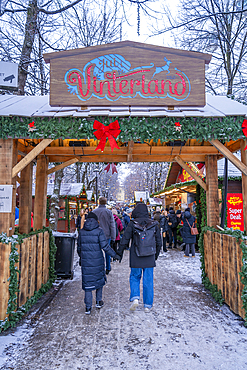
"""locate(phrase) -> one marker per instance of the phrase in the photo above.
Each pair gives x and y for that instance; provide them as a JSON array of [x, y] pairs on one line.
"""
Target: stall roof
[[71, 189], [38, 106]]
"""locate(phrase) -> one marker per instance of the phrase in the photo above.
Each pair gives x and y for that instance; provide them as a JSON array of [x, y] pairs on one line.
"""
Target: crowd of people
[[145, 235]]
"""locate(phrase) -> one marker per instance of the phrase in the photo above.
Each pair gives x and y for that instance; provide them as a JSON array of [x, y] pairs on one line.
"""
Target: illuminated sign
[[127, 73]]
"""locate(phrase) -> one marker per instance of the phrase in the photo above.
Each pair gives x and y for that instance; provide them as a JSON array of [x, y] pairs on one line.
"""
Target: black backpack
[[172, 221], [144, 238]]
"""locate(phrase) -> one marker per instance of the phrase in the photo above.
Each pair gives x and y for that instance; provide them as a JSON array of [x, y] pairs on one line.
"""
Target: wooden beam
[[122, 158], [40, 193], [192, 173], [212, 194], [244, 181], [18, 179], [8, 155], [233, 146], [226, 153], [63, 165], [130, 150], [25, 199], [30, 156]]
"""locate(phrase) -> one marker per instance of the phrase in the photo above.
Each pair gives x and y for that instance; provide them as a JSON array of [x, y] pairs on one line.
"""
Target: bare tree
[[218, 27]]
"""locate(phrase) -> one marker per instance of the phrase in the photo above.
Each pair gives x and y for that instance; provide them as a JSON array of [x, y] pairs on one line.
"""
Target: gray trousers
[[89, 297], [187, 249]]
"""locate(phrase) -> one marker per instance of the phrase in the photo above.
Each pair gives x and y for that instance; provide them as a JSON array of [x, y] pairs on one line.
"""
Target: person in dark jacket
[[107, 223], [188, 238], [172, 225], [164, 228], [91, 241], [140, 265]]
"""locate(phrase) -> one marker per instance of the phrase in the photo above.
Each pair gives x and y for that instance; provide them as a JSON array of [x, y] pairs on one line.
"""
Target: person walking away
[[107, 222], [91, 241], [157, 214], [144, 251], [172, 224], [188, 238], [119, 228], [80, 220], [164, 229]]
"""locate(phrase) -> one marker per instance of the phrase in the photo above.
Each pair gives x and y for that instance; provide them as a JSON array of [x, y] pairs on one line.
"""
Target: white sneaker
[[134, 304], [146, 309]]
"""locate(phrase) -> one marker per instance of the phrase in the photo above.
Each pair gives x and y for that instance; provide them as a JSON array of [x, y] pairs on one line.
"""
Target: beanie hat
[[187, 209], [178, 212], [92, 215]]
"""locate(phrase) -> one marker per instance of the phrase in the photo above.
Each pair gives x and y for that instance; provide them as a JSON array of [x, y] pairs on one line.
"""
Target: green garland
[[14, 314], [132, 128]]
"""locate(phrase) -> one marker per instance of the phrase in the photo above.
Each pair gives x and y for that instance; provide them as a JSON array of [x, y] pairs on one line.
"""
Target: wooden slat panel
[[5, 250], [32, 268], [233, 281], [239, 253], [17, 265], [206, 252], [24, 272], [226, 269], [39, 260], [46, 263], [216, 246], [219, 263], [41, 191]]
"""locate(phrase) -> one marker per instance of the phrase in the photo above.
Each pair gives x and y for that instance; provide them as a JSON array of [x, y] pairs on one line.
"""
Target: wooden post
[[243, 144], [8, 155], [212, 190], [40, 193], [25, 200]]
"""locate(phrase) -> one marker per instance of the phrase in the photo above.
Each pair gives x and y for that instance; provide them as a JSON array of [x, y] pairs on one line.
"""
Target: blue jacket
[[90, 243]]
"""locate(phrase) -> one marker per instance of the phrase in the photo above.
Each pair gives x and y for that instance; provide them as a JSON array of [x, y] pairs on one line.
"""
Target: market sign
[[6, 192], [235, 217], [127, 73], [8, 74]]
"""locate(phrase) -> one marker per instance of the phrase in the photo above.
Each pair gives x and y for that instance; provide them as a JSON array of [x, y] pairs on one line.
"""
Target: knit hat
[[178, 212], [187, 209], [92, 215], [157, 209]]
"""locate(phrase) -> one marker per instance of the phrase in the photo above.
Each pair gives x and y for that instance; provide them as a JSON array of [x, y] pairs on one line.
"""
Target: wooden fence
[[223, 262], [33, 266]]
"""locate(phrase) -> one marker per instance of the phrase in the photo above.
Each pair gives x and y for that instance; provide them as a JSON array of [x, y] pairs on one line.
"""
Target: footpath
[[185, 330]]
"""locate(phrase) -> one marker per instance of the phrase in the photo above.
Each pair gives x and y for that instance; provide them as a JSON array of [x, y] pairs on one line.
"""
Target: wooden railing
[[33, 266], [223, 262]]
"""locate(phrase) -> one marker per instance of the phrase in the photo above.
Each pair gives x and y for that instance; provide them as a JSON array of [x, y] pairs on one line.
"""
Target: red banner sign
[[235, 216]]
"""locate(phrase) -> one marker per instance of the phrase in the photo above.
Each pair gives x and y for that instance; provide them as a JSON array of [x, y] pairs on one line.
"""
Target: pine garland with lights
[[132, 128]]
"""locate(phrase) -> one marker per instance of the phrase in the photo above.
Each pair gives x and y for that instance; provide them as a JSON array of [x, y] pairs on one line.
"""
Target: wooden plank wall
[[33, 266], [223, 262]]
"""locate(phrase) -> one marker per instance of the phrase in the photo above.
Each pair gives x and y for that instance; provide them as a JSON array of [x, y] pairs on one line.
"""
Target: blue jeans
[[89, 297], [148, 285], [108, 258]]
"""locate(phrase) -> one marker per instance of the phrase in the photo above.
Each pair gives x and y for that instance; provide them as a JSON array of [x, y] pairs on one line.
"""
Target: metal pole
[[96, 188]]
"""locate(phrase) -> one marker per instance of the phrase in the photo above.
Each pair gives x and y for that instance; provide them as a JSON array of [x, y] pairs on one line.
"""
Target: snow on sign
[[8, 74], [6, 198]]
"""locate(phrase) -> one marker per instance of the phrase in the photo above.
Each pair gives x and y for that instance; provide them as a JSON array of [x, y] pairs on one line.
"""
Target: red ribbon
[[244, 129], [103, 132], [112, 166]]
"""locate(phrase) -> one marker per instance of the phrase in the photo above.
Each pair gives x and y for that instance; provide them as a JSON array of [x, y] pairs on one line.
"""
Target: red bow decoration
[[112, 166], [31, 126], [244, 129], [178, 126], [103, 132]]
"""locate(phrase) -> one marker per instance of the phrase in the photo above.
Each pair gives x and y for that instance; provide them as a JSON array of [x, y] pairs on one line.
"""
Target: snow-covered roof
[[66, 189], [38, 106], [233, 171]]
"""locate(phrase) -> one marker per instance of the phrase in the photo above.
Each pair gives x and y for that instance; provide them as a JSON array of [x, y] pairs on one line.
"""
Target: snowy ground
[[185, 330]]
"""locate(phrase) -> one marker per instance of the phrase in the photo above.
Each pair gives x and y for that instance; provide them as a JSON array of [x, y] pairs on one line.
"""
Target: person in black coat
[[188, 238], [91, 241], [140, 265], [165, 228], [172, 227]]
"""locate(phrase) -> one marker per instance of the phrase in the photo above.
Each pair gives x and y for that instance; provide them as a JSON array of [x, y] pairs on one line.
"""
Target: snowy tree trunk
[[55, 200]]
